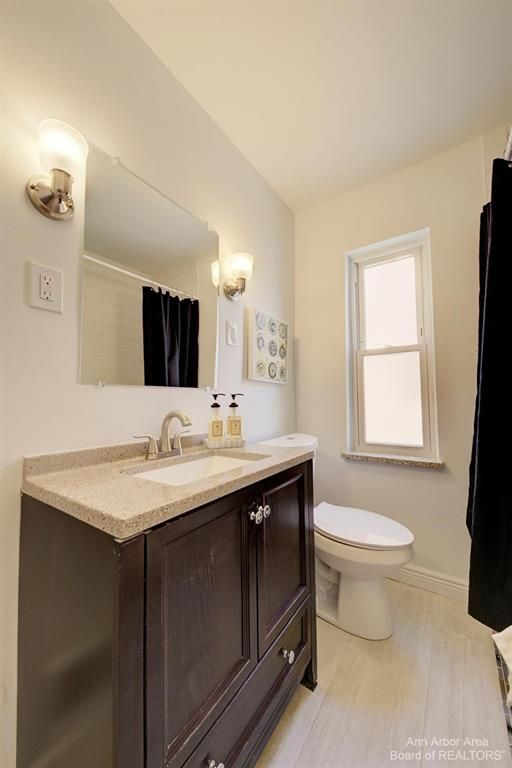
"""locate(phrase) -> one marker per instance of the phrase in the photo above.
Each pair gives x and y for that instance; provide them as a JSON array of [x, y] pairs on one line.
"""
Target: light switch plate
[[231, 333], [45, 287]]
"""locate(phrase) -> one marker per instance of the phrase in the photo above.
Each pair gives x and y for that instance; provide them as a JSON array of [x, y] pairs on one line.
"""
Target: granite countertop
[[101, 487]]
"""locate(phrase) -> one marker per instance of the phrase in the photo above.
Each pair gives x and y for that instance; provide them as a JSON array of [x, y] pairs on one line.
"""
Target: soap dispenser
[[216, 427], [234, 423]]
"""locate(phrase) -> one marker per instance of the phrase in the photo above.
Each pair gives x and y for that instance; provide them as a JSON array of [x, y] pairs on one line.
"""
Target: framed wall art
[[267, 348]]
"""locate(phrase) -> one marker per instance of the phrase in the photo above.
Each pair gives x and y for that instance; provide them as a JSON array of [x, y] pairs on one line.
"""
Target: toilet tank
[[294, 440]]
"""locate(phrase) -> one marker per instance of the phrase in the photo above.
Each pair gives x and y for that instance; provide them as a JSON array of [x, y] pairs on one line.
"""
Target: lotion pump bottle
[[234, 425], [216, 427]]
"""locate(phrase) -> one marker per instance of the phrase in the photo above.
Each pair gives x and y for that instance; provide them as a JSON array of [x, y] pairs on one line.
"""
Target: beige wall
[[113, 89], [444, 193]]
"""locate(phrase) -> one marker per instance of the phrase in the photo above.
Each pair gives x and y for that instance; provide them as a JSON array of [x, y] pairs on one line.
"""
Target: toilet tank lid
[[293, 440], [361, 528]]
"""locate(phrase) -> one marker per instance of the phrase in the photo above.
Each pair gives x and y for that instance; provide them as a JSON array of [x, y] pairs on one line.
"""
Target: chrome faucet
[[168, 444]]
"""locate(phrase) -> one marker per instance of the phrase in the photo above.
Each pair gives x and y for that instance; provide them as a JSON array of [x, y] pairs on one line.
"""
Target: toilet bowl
[[356, 550]]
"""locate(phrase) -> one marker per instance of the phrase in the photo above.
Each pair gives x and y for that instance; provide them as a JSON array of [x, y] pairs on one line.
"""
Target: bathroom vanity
[[162, 625]]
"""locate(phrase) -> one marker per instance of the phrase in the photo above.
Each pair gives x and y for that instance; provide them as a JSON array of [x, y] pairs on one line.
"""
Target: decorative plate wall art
[[267, 348]]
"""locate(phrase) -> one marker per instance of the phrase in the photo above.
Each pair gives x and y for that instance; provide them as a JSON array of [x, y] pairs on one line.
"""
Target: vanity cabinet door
[[200, 624], [284, 550]]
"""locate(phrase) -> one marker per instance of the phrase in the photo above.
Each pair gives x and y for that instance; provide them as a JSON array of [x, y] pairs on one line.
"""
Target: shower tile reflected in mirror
[[149, 307]]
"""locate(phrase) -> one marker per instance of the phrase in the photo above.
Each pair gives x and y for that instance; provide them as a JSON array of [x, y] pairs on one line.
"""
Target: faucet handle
[[176, 440], [152, 447]]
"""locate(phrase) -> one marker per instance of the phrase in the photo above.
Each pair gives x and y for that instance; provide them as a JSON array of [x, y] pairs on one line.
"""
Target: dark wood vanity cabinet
[[204, 624], [284, 553], [201, 639]]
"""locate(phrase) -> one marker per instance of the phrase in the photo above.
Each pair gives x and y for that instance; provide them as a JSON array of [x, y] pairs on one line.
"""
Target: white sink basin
[[194, 470]]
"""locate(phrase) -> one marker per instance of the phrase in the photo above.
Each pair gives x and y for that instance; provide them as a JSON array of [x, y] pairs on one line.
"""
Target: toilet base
[[358, 606]]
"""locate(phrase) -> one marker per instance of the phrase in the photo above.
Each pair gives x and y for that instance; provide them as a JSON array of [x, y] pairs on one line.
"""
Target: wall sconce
[[239, 269], [62, 152]]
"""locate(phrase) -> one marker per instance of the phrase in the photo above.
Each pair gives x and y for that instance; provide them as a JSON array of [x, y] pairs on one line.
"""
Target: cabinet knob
[[213, 764], [266, 511], [257, 515], [289, 656]]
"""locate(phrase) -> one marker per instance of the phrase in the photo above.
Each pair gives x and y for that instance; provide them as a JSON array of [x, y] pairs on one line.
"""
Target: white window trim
[[414, 242]]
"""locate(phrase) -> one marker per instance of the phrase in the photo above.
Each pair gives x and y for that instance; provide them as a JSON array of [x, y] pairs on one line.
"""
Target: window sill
[[405, 461]]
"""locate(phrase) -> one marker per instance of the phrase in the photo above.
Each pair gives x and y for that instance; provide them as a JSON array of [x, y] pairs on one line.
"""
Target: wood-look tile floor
[[434, 679]]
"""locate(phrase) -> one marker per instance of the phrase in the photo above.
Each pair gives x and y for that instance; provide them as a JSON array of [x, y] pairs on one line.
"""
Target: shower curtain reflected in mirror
[[171, 339]]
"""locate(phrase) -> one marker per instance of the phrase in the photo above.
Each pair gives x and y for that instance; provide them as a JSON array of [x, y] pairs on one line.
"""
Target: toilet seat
[[361, 528]]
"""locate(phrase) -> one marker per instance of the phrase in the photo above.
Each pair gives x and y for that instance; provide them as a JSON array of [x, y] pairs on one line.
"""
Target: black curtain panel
[[189, 343], [171, 339], [489, 514]]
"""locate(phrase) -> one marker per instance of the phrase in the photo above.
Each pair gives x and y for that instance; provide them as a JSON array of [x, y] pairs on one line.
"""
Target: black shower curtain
[[489, 514], [171, 339]]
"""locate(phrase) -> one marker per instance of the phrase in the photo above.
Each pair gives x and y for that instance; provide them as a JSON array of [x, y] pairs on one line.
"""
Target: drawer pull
[[266, 511], [213, 764], [258, 518], [289, 656]]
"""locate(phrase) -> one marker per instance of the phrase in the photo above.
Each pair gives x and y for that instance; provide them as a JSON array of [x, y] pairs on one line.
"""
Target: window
[[392, 407]]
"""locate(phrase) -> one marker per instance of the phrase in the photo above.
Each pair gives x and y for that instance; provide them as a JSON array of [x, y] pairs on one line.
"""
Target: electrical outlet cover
[[45, 287]]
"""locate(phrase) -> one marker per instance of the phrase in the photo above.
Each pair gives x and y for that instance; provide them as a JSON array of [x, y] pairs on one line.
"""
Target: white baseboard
[[433, 581]]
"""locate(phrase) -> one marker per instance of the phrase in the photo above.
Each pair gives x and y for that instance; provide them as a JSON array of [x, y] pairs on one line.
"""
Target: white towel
[[503, 642]]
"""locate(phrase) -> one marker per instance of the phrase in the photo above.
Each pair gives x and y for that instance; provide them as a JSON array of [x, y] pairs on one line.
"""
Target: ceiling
[[324, 96]]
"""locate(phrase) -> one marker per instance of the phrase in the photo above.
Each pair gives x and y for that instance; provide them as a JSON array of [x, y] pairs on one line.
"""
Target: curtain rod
[[507, 155], [137, 277]]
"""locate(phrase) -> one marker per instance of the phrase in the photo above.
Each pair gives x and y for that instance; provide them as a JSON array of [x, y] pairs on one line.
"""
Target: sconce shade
[[241, 266], [63, 154], [61, 146], [240, 271], [216, 273]]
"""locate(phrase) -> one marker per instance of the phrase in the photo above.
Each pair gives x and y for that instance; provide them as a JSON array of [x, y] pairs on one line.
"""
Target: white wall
[[102, 79], [444, 193]]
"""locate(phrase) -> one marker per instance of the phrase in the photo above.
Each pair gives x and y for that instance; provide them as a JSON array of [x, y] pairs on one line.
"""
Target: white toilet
[[355, 551]]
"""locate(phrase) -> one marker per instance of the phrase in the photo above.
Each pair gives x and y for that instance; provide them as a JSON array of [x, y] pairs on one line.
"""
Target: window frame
[[414, 243]]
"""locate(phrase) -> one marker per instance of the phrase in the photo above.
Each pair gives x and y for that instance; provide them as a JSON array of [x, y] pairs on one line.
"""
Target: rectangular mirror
[[149, 306]]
